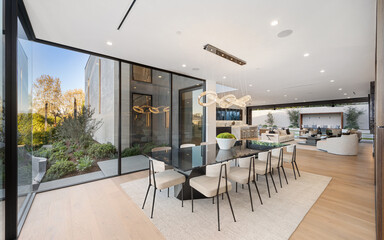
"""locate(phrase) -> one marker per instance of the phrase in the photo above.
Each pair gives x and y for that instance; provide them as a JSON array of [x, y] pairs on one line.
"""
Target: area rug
[[277, 218]]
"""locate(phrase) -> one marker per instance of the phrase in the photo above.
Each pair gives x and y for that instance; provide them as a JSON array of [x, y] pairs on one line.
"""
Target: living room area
[[336, 128]]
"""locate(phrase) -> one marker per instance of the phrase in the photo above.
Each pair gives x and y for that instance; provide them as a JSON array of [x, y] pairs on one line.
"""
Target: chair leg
[[236, 186], [273, 181], [146, 195], [213, 200], [192, 197], [258, 193], [266, 179], [222, 196], [182, 194], [153, 203], [278, 170], [230, 204], [168, 192], [218, 213], [250, 196], [242, 186], [293, 168], [284, 174], [297, 169]]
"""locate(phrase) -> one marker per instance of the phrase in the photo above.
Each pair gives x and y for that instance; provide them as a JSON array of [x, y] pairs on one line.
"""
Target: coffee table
[[312, 140]]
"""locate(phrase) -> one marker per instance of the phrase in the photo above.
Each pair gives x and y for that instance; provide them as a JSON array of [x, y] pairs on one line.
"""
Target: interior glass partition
[[188, 116], [2, 140]]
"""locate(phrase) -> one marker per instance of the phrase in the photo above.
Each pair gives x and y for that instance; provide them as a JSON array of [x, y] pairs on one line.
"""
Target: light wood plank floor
[[101, 210]]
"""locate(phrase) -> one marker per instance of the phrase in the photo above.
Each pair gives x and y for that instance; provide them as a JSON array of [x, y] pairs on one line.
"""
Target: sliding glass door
[[191, 116]]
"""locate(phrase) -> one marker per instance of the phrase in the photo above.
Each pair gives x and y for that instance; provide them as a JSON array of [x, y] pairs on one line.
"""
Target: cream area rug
[[277, 218]]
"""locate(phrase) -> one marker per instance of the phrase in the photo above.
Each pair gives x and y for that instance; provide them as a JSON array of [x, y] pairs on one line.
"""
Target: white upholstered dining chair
[[187, 145], [263, 167], [291, 158], [212, 184], [277, 162], [244, 173], [160, 178]]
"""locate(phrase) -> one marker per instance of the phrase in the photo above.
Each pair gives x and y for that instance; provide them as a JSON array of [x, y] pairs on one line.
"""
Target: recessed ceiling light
[[183, 65], [274, 23], [348, 97], [268, 90], [322, 70], [224, 77], [296, 99], [285, 95], [250, 85], [340, 89], [109, 43], [345, 94], [306, 54], [332, 80], [160, 76]]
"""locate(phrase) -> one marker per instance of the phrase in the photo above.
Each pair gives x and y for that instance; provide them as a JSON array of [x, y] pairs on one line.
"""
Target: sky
[[64, 64]]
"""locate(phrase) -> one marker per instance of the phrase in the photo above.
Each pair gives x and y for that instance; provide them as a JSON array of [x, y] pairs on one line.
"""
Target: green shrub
[[58, 156], [226, 135], [43, 152], [79, 154], [133, 151], [60, 169], [84, 163], [101, 151]]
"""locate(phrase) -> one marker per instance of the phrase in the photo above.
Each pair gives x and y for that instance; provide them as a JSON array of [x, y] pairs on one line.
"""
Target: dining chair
[[187, 145], [263, 167], [244, 173], [291, 158], [160, 178], [277, 162], [212, 184]]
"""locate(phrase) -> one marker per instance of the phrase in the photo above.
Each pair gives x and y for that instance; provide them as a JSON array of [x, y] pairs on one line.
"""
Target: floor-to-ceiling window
[[2, 130]]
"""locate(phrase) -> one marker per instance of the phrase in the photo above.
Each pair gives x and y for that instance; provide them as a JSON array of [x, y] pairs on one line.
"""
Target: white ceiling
[[339, 35]]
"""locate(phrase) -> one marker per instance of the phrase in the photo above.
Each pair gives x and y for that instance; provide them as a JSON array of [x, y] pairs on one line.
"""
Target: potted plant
[[226, 140]]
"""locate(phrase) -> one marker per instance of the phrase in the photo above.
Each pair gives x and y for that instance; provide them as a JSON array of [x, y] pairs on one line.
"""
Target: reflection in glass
[[191, 116]]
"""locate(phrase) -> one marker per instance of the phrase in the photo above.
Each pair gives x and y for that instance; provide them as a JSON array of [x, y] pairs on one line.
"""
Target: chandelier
[[224, 102], [150, 109]]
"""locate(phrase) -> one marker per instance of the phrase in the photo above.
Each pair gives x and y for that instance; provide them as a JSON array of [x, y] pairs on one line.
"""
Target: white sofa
[[344, 145], [279, 136]]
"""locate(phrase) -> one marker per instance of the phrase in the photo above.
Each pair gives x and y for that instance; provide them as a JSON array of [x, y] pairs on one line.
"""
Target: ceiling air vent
[[224, 54]]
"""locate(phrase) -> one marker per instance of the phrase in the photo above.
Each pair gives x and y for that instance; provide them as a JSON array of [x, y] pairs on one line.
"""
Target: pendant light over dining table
[[228, 100]]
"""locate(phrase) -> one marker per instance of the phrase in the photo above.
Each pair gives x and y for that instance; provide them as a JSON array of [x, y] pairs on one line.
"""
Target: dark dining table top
[[185, 159]]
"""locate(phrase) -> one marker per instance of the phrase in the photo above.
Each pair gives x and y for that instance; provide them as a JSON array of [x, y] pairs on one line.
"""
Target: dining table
[[191, 161]]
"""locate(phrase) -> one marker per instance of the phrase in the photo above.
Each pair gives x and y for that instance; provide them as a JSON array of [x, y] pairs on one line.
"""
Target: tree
[[79, 129], [47, 96], [351, 117], [270, 121], [72, 98], [294, 118]]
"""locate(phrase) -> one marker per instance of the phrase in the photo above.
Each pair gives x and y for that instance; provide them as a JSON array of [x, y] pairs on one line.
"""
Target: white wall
[[282, 119]]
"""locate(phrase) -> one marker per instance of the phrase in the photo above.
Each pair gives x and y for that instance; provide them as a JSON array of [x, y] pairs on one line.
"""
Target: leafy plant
[[79, 154], [43, 152], [58, 156], [101, 151], [351, 117], [133, 151], [79, 129], [84, 163], [226, 135], [60, 169], [270, 120], [267, 144], [294, 118]]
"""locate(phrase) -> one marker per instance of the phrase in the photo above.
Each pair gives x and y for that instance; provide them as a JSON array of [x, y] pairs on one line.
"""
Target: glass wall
[[68, 117], [187, 114], [26, 170]]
